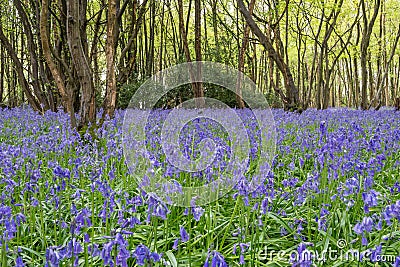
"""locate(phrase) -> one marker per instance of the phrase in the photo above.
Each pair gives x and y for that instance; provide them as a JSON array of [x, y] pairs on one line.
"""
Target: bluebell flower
[[241, 259], [397, 262], [370, 200], [304, 256], [119, 239], [143, 254], [175, 245], [86, 238], [74, 247], [323, 127], [130, 222], [156, 208], [197, 212], [376, 253], [106, 252], [123, 256], [155, 257], [94, 250], [283, 231], [366, 225], [217, 260], [358, 228], [184, 234], [62, 173], [364, 241], [19, 262], [243, 248], [52, 256]]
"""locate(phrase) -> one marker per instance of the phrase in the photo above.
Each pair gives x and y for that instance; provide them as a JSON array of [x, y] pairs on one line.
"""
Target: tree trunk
[[20, 71], [291, 100], [215, 29], [314, 63], [162, 43], [110, 97], [242, 53], [55, 71], [150, 50], [125, 69], [33, 56], [366, 36], [2, 66], [386, 71], [199, 92], [192, 72], [74, 23]]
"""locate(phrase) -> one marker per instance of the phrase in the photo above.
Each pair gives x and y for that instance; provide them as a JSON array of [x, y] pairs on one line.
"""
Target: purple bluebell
[[216, 258], [19, 262], [303, 257], [184, 234], [143, 255], [376, 253], [176, 243], [397, 262]]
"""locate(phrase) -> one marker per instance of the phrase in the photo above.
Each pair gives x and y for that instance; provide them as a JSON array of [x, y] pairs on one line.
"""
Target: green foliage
[[126, 92], [179, 95], [273, 99]]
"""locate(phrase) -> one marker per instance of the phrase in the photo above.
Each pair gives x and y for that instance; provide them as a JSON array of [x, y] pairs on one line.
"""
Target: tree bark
[[2, 66], [20, 71], [111, 88], [37, 88], [55, 71], [197, 93], [324, 53], [366, 36], [124, 70], [291, 99], [242, 53], [386, 70], [75, 21]]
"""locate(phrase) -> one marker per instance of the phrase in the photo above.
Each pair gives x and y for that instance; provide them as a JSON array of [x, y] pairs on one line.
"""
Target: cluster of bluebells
[[302, 257], [56, 254], [142, 254], [72, 191], [215, 259], [243, 248]]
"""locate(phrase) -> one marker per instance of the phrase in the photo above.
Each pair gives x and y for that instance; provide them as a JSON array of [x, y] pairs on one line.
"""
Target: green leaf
[[171, 258]]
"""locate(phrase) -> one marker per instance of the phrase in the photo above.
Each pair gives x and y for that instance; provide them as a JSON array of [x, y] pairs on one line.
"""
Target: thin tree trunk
[[162, 44], [74, 22], [131, 58], [215, 28], [150, 51], [19, 71], [366, 36], [2, 66], [55, 71], [197, 93], [291, 100], [33, 56], [386, 71], [314, 63], [110, 98], [242, 53]]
